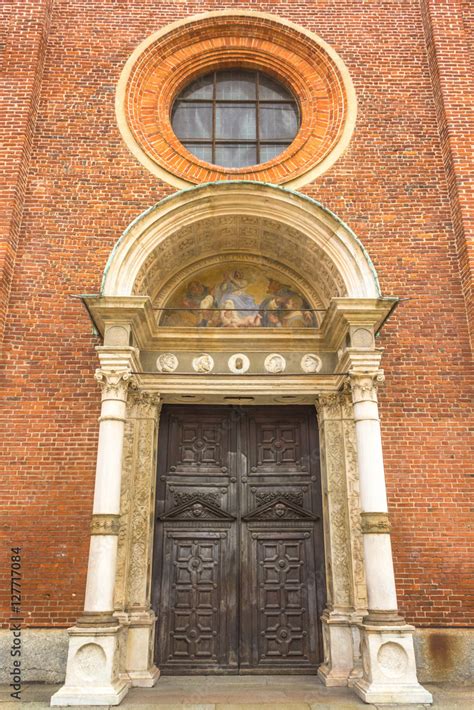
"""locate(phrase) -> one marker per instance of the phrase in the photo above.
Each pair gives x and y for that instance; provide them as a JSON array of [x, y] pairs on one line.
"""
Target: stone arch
[[274, 223]]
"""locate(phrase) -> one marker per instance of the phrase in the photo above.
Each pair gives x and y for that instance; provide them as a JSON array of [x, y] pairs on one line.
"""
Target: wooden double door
[[238, 581]]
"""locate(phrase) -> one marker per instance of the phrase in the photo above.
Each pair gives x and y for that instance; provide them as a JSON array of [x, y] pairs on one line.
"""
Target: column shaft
[[381, 591], [103, 545]]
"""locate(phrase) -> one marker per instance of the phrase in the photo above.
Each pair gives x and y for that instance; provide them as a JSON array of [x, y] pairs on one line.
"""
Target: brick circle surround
[[170, 59]]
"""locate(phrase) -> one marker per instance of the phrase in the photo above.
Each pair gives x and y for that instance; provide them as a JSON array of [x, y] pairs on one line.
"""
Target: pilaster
[[132, 590], [341, 507]]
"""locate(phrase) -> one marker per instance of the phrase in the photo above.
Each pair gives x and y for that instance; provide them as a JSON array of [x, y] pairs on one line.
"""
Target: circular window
[[235, 95], [235, 118]]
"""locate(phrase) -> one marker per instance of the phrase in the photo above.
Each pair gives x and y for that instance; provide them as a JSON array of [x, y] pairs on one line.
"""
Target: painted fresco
[[238, 296]]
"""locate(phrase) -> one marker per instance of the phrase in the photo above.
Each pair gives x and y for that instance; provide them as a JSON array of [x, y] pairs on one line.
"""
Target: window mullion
[[214, 95], [257, 116]]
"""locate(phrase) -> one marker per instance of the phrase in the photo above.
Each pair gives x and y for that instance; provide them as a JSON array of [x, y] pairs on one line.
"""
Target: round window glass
[[235, 118]]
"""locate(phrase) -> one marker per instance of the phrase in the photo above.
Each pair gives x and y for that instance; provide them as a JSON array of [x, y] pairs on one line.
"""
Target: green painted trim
[[255, 185]]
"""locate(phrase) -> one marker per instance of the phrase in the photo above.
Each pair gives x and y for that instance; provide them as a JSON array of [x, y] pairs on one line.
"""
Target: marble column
[[388, 659], [92, 672]]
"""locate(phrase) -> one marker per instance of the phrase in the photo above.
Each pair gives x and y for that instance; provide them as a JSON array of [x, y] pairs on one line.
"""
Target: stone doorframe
[[367, 644], [346, 589]]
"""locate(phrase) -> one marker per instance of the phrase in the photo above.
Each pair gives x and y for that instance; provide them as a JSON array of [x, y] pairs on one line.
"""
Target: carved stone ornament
[[167, 362], [143, 404], [377, 523], [238, 363], [114, 383], [328, 405], [311, 363], [275, 363], [105, 524], [203, 363]]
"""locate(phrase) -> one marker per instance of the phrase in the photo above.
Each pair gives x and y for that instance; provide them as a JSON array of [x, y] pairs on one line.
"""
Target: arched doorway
[[218, 250]]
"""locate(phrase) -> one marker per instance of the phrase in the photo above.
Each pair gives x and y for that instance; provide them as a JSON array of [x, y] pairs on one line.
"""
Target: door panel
[[194, 608], [238, 547]]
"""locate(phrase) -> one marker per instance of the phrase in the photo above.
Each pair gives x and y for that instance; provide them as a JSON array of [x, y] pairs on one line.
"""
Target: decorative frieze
[[375, 523], [105, 524]]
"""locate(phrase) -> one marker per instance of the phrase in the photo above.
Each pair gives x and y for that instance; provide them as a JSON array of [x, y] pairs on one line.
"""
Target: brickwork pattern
[[84, 187]]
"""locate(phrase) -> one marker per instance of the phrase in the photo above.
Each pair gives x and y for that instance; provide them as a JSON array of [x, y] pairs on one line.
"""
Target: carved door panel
[[238, 551]]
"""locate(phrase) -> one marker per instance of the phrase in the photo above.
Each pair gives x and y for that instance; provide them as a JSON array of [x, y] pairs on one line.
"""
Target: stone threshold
[[243, 693]]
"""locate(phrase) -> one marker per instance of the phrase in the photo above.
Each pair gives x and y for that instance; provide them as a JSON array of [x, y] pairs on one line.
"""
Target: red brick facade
[[71, 187]]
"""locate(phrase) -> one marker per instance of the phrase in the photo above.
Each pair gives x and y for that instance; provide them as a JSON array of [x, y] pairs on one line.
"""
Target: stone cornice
[[342, 314]]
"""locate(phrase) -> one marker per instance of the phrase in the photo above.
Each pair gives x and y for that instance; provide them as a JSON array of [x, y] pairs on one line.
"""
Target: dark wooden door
[[239, 564]]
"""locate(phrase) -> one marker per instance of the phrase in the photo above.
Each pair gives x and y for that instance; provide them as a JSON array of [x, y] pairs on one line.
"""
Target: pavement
[[244, 693]]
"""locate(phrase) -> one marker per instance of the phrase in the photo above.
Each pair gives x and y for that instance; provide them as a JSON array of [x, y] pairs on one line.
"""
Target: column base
[[389, 669], [144, 679], [338, 656], [111, 694], [92, 668], [140, 646]]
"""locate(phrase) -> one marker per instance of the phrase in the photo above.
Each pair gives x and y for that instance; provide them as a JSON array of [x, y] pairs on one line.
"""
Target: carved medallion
[[203, 363], [275, 363], [311, 363], [167, 362], [238, 363]]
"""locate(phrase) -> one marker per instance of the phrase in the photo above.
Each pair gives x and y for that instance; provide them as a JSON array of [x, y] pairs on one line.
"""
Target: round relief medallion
[[90, 661], [293, 66], [167, 362], [238, 363], [203, 363], [275, 363], [311, 363], [393, 659]]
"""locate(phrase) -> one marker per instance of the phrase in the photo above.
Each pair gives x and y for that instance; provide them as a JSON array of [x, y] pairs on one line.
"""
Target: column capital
[[364, 385], [328, 405], [114, 383]]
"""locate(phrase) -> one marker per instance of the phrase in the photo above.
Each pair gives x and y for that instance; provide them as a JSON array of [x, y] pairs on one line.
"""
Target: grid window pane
[[235, 118], [269, 89], [278, 121], [236, 121], [270, 151], [203, 151], [236, 155], [235, 85], [192, 120], [202, 88]]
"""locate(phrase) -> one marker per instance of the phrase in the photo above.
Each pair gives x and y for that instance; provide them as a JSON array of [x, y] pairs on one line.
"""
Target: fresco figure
[[282, 298], [241, 309]]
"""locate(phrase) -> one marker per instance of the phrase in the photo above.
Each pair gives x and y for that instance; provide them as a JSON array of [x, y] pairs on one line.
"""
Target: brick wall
[[72, 187]]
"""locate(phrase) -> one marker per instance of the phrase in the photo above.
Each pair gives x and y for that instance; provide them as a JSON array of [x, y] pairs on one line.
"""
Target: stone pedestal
[[389, 666], [338, 649], [91, 671], [139, 656]]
